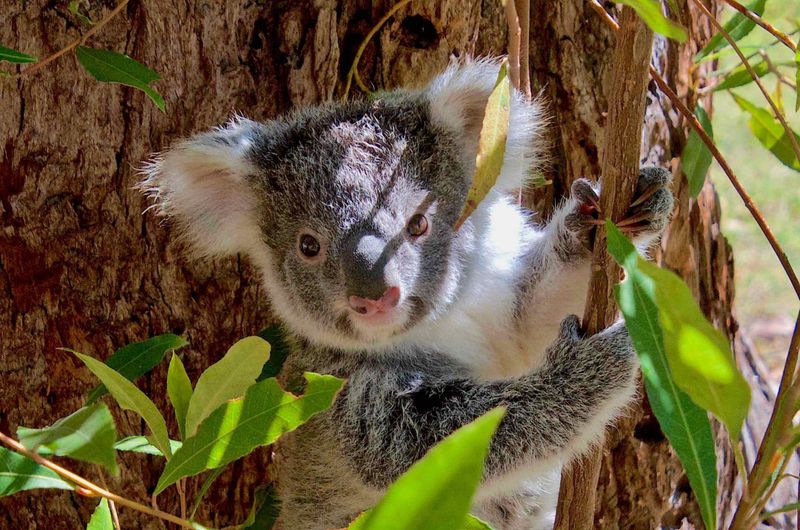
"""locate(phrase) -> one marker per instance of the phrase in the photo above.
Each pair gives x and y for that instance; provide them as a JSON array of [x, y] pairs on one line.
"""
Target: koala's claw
[[649, 212]]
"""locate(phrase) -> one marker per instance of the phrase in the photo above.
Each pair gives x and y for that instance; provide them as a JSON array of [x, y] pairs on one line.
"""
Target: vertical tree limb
[[619, 168]]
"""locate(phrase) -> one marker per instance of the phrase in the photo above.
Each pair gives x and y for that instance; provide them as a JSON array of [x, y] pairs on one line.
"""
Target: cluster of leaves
[[227, 414], [104, 65]]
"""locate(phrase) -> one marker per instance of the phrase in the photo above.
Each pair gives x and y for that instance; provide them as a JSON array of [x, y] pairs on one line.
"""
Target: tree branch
[[755, 17], [619, 169], [90, 488]]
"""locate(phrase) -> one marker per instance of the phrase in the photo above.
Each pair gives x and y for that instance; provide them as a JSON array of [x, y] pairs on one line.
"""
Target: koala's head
[[349, 208]]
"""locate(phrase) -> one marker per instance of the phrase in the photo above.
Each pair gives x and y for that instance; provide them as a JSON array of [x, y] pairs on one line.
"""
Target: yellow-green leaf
[[740, 76], [770, 133], [650, 12], [685, 424], [738, 27], [491, 146], [130, 398], [240, 425], [436, 492], [179, 390], [87, 434], [113, 67], [101, 518], [228, 378]]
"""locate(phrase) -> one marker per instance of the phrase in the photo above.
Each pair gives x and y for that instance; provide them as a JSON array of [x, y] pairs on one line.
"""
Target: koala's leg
[[387, 418]]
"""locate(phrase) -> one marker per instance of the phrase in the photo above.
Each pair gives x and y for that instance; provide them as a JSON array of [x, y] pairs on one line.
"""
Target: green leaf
[[19, 473], [226, 379], [209, 480], [113, 67], [685, 424], [279, 350], [130, 398], [87, 434], [739, 76], [737, 27], [436, 492], [650, 12], [74, 8], [770, 133], [696, 158], [265, 510], [179, 389], [135, 360], [13, 56], [240, 425], [101, 518], [140, 444], [491, 145]]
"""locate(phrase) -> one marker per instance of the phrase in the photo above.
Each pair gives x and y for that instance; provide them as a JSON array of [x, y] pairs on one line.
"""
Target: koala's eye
[[309, 246], [417, 225]]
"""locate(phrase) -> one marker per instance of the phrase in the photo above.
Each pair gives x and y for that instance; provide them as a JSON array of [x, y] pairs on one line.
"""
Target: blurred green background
[[766, 305]]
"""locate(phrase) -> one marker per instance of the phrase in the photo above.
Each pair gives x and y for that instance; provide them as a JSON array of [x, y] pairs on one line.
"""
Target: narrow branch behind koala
[[619, 170]]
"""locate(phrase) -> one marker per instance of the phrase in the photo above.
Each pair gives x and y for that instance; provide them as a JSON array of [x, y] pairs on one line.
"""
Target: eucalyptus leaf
[[87, 434], [685, 424], [265, 510], [179, 390], [696, 158], [19, 473], [473, 523], [101, 518], [112, 67], [74, 8], [770, 133], [740, 76], [436, 492], [140, 444], [240, 425], [650, 12], [797, 80], [226, 379], [138, 358], [491, 144], [738, 27], [13, 56], [131, 398]]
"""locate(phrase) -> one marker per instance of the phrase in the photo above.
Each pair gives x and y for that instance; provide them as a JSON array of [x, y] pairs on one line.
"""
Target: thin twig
[[512, 20], [111, 504], [88, 487], [607, 18], [524, 16], [755, 17], [77, 42], [354, 67], [754, 75], [726, 168], [779, 421], [774, 69], [181, 487]]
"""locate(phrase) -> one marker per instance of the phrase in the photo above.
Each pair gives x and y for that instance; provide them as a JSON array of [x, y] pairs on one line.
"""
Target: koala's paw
[[651, 206], [607, 357], [585, 216]]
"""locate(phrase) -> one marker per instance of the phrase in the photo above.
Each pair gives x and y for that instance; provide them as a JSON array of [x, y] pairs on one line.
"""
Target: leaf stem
[[755, 17], [753, 74], [90, 487], [524, 16], [726, 168], [514, 31], [72, 45], [353, 72]]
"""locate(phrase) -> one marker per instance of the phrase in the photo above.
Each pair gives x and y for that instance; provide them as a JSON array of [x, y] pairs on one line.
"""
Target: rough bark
[[80, 266]]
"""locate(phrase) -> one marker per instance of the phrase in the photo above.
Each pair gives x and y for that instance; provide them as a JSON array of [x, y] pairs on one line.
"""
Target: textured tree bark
[[80, 266]]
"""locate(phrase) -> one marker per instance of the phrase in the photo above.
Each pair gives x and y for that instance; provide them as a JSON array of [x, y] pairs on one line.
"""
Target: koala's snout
[[370, 272], [385, 303]]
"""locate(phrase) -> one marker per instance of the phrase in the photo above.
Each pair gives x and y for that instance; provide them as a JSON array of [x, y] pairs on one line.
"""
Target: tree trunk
[[80, 266]]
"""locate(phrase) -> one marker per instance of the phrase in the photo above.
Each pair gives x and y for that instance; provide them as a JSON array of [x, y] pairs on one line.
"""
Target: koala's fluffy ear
[[201, 185], [458, 100]]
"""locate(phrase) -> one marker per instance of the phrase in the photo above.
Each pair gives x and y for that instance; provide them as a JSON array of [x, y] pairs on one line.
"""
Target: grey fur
[[478, 305]]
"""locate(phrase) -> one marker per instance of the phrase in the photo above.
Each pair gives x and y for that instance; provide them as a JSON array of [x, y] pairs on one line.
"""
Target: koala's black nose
[[366, 265]]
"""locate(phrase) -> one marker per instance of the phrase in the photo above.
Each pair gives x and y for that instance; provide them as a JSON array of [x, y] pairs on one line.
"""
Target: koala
[[348, 211]]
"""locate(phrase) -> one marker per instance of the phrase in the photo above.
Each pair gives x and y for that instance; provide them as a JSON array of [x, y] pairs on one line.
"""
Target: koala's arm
[[386, 419]]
